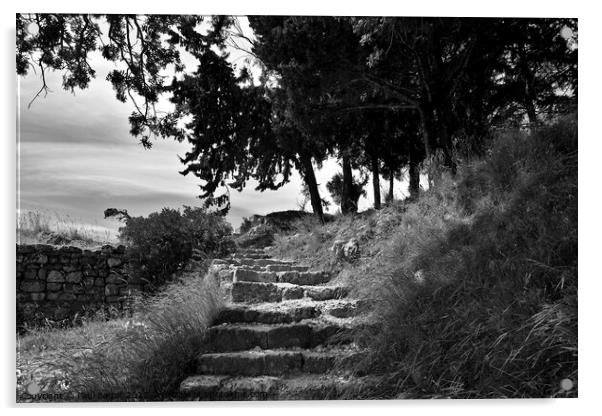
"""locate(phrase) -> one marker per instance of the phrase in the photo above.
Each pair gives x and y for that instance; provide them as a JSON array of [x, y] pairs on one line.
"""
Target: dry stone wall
[[60, 283]]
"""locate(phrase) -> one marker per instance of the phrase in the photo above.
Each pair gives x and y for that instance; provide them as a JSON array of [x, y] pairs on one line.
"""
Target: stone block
[[247, 275], [41, 258], [114, 262], [74, 277], [292, 292], [88, 281], [73, 288], [33, 286], [37, 297], [68, 297], [54, 287], [53, 296], [30, 274]]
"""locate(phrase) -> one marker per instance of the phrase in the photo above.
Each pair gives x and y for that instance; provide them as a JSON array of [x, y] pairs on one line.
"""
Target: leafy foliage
[[335, 187], [393, 89], [162, 243]]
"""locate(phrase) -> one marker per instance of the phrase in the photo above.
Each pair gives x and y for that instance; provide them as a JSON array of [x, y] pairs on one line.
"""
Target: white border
[[590, 152]]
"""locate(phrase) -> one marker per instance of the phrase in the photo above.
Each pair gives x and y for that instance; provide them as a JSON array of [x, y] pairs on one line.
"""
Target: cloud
[[77, 156]]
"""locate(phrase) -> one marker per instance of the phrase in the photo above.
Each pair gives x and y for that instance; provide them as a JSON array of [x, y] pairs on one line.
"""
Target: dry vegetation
[[475, 284], [46, 227], [143, 357]]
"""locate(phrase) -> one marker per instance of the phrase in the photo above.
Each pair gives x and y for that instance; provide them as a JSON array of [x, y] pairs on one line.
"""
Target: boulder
[[351, 250], [346, 250]]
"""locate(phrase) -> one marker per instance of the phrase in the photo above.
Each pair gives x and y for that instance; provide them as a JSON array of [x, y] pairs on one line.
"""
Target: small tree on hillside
[[335, 187]]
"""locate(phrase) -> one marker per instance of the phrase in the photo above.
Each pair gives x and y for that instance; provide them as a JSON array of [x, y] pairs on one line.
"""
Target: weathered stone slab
[[285, 268], [247, 275], [325, 292], [250, 363], [33, 286], [248, 314], [253, 388], [255, 292], [226, 338], [205, 386], [303, 278], [55, 276]]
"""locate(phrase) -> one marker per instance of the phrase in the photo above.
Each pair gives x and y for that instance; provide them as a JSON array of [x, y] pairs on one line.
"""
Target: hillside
[[474, 285]]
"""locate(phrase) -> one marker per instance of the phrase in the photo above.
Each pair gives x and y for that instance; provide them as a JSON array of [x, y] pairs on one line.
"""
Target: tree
[[229, 116], [335, 188], [377, 92], [306, 55]]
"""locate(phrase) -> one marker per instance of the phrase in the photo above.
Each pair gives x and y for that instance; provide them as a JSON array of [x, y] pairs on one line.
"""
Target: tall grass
[[36, 226], [145, 357], [482, 301], [474, 284]]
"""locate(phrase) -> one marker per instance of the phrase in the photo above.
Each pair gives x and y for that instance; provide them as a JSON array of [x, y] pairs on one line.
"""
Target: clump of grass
[[478, 297], [141, 358], [46, 227]]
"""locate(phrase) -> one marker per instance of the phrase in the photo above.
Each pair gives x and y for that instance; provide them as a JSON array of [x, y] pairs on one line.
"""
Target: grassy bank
[[145, 357], [46, 227], [475, 283]]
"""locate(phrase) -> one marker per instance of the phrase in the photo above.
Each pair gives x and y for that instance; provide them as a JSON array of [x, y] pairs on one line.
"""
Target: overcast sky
[[77, 158]]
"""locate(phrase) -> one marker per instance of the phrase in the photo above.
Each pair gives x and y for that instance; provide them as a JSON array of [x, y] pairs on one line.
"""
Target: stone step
[[296, 387], [250, 250], [278, 362], [243, 274], [304, 334], [284, 268], [255, 292], [261, 262], [286, 311], [251, 256], [303, 278]]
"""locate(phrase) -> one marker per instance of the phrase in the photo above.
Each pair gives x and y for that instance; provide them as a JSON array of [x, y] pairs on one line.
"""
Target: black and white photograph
[[302, 207]]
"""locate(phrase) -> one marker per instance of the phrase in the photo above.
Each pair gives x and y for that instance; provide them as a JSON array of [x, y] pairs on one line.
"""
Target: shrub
[[162, 243]]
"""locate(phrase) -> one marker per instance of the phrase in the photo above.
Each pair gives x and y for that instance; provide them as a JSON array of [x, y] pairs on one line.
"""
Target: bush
[[163, 243]]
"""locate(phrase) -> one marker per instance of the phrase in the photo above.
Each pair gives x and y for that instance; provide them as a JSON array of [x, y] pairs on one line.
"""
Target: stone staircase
[[285, 333]]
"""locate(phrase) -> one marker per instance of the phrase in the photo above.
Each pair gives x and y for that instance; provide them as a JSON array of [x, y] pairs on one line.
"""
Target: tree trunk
[[347, 203], [446, 144], [314, 193], [391, 179], [414, 173], [376, 182], [529, 91], [530, 108], [426, 123]]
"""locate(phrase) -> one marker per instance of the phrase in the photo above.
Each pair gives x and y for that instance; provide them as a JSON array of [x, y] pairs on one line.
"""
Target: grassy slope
[[145, 356], [475, 284], [46, 227]]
